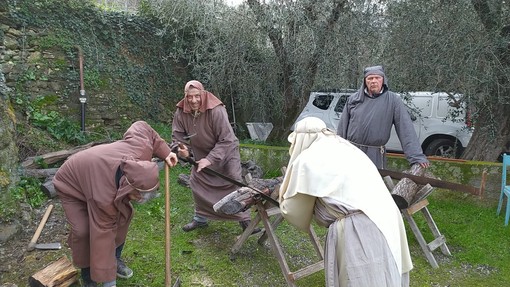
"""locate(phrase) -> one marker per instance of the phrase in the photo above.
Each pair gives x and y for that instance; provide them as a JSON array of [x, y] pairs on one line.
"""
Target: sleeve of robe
[[226, 141], [296, 209], [406, 133], [178, 130]]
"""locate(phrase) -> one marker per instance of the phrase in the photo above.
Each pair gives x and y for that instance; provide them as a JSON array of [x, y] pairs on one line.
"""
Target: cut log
[[404, 192], [249, 167], [48, 188], [245, 197], [183, 180], [422, 193], [54, 157], [60, 273], [234, 202], [407, 192]]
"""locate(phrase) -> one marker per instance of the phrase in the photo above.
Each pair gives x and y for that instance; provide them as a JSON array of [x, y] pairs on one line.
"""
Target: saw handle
[[31, 245]]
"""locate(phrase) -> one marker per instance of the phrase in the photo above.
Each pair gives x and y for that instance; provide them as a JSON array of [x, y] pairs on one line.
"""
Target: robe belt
[[381, 147], [340, 216]]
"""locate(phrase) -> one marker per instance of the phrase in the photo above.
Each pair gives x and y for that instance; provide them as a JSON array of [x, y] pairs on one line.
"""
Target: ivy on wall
[[124, 57]]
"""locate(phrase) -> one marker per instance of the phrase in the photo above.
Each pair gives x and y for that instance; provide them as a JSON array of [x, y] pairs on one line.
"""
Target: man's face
[[194, 99], [374, 83]]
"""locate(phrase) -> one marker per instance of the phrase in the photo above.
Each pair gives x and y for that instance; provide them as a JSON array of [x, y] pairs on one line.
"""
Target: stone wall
[[127, 75], [8, 151]]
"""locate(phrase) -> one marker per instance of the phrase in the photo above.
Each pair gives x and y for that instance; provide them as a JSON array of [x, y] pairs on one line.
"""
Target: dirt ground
[[16, 263]]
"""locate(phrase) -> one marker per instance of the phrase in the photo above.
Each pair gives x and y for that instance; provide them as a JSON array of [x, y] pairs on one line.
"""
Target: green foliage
[[124, 54], [59, 127], [59, 38], [163, 129], [94, 79], [28, 190]]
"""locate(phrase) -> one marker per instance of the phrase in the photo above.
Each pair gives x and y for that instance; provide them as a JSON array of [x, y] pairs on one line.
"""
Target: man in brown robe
[[96, 186], [202, 128]]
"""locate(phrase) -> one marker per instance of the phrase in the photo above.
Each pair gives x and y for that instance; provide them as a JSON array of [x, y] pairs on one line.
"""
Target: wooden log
[[422, 193], [40, 173], [54, 157], [60, 273], [48, 188], [245, 197], [405, 191]]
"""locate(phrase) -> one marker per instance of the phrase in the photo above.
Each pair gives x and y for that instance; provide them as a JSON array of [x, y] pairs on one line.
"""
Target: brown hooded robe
[[98, 211], [214, 139]]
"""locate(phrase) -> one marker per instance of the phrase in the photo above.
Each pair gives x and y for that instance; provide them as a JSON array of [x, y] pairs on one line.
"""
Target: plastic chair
[[505, 189]]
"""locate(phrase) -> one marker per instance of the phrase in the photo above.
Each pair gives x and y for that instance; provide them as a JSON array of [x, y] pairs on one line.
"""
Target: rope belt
[[381, 148], [350, 214]]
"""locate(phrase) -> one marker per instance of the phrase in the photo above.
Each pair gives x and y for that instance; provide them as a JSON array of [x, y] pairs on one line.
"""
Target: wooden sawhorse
[[439, 241], [263, 214]]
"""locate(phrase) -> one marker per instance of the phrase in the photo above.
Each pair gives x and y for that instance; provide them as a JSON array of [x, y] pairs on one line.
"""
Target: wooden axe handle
[[37, 233]]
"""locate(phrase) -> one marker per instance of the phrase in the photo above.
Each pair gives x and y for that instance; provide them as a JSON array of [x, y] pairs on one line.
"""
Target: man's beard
[[147, 196]]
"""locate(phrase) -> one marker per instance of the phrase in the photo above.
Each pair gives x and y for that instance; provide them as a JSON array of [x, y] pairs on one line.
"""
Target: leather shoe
[[194, 225]]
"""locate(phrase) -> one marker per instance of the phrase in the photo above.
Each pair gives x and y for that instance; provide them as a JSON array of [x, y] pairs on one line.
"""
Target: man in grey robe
[[370, 113]]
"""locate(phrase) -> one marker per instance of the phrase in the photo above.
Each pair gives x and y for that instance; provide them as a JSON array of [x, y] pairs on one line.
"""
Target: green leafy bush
[[28, 190], [57, 126]]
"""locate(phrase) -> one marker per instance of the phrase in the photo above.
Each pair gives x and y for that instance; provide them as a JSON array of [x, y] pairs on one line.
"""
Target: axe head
[[48, 246]]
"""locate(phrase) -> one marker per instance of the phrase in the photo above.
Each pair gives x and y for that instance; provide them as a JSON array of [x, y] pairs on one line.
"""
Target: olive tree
[[297, 32], [457, 47]]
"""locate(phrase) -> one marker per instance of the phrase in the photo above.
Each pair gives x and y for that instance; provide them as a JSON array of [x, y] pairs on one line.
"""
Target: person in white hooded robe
[[332, 180]]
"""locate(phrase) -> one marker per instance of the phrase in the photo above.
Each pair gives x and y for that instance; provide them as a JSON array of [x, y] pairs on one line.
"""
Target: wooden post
[[60, 273]]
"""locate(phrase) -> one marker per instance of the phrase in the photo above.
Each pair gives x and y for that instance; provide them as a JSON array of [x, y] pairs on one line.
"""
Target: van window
[[442, 107], [422, 106], [340, 104], [322, 101]]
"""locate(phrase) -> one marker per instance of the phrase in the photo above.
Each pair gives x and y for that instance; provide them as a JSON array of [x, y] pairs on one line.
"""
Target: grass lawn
[[476, 237]]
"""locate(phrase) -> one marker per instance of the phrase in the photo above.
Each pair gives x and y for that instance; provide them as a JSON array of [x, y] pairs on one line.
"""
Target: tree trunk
[[492, 126], [491, 135], [296, 89]]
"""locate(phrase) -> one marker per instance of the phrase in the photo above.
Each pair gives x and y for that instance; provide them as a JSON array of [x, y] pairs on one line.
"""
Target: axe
[[43, 246]]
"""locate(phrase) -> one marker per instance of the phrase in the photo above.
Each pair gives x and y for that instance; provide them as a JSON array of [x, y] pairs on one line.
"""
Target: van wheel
[[443, 148]]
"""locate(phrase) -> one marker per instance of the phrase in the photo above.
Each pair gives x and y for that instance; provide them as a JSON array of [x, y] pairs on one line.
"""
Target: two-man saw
[[231, 180]]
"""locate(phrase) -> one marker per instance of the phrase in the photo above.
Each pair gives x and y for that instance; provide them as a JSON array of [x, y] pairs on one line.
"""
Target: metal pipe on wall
[[83, 98]]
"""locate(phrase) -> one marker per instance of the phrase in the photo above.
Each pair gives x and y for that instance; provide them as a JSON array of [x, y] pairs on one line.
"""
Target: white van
[[442, 127]]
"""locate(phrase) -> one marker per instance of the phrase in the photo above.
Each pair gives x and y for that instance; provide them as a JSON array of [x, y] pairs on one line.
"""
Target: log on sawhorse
[[410, 197], [264, 212]]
